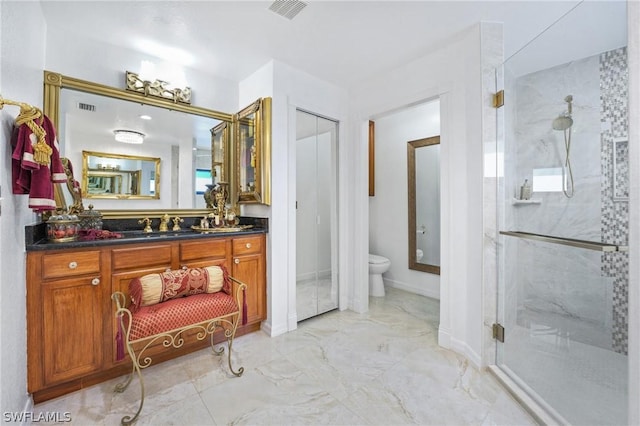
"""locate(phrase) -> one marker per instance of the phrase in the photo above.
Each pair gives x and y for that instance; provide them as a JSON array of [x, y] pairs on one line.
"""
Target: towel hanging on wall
[[35, 164]]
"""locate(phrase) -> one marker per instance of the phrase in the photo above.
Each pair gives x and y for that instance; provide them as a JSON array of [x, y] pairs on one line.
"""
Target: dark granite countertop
[[35, 235]]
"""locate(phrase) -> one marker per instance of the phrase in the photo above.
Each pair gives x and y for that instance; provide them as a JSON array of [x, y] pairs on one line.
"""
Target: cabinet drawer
[[211, 249], [247, 245], [57, 265], [142, 256]]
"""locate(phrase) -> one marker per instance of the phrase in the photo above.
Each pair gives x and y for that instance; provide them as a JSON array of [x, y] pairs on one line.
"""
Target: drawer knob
[[73, 265], [236, 261], [95, 281], [248, 245]]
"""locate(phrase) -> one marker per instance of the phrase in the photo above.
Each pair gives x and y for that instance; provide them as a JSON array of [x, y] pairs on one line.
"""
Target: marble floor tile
[[383, 367]]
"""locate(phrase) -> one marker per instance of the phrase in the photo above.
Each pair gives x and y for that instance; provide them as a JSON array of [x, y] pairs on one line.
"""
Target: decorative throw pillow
[[155, 288]]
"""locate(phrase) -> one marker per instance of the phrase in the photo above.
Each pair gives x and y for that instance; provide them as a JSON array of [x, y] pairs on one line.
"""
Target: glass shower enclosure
[[563, 217]]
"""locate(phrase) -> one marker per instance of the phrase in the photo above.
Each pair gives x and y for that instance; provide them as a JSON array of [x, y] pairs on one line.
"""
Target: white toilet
[[378, 265]]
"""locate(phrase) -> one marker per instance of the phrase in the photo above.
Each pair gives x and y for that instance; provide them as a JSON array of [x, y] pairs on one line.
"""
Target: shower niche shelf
[[517, 202]]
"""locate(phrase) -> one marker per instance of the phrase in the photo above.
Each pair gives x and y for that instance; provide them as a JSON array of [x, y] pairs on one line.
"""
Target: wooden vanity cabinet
[[71, 326], [68, 301], [249, 266]]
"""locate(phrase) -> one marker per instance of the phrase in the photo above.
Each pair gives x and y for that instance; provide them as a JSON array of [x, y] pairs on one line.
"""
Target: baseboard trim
[[432, 294]]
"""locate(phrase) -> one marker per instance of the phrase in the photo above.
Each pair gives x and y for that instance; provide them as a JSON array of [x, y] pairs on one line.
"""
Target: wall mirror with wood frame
[[423, 165]]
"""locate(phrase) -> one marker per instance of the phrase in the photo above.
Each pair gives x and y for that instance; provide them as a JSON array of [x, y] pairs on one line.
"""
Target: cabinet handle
[[95, 281], [73, 265], [248, 245], [236, 260]]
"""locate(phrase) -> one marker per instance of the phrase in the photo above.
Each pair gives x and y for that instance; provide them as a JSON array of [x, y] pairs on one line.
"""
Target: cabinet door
[[72, 328], [250, 270]]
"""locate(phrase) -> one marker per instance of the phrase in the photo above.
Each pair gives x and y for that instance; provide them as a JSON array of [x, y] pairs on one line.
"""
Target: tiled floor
[[343, 368]]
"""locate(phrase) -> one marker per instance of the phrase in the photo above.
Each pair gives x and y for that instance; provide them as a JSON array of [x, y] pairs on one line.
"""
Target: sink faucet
[[176, 223], [164, 221], [147, 224]]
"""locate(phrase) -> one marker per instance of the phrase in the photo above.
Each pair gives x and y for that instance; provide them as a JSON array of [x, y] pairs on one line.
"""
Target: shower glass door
[[563, 217], [316, 215]]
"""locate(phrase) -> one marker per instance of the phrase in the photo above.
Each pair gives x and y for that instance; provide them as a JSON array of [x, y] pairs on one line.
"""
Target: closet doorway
[[316, 214]]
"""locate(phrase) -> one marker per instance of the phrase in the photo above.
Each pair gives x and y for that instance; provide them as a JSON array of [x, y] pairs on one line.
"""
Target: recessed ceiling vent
[[86, 107], [287, 8]]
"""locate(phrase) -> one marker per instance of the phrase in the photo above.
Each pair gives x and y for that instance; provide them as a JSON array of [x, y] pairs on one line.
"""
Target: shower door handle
[[589, 245]]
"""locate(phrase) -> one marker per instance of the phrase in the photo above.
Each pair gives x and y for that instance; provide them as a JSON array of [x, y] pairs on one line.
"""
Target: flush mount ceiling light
[[129, 136]]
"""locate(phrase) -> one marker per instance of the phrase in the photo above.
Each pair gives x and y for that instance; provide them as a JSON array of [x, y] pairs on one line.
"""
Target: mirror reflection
[[181, 141], [423, 156], [247, 152], [120, 176]]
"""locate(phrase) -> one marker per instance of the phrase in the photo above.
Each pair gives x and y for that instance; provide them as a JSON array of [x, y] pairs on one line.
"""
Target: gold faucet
[[147, 224], [176, 223], [164, 220]]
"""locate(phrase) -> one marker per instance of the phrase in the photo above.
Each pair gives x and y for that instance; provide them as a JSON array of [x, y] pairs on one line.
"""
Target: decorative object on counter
[[35, 165], [208, 229], [147, 224], [176, 223], [97, 234], [63, 228], [208, 195], [158, 88], [90, 219]]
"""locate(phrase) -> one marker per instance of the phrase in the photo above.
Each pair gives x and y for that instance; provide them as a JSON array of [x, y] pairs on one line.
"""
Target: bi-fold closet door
[[316, 214]]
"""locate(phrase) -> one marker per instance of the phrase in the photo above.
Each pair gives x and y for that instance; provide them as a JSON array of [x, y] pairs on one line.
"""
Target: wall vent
[[287, 8], [86, 107]]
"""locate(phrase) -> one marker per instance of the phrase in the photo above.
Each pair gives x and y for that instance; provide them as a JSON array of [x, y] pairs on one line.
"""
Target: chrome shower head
[[562, 122]]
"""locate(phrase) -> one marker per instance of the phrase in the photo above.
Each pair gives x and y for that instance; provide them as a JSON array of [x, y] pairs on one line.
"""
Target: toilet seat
[[374, 258]]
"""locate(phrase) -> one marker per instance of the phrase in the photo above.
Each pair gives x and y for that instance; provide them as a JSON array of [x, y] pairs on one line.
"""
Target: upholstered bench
[[163, 306]]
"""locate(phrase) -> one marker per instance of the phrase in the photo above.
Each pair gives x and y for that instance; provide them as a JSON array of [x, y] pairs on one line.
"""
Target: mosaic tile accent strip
[[615, 185]]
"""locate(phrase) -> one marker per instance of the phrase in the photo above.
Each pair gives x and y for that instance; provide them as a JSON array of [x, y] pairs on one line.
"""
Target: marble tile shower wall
[[557, 282], [615, 184]]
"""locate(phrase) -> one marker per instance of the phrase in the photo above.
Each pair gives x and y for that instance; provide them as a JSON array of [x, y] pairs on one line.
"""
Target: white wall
[[454, 73], [388, 209], [22, 27]]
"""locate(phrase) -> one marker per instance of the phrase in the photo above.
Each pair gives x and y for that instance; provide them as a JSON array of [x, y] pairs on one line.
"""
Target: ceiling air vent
[[287, 8], [86, 107]]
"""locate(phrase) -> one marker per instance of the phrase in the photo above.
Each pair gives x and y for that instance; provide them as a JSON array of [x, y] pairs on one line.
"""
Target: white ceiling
[[338, 41]]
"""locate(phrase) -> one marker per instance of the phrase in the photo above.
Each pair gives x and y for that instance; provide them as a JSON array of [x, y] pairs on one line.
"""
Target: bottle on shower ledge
[[525, 190]]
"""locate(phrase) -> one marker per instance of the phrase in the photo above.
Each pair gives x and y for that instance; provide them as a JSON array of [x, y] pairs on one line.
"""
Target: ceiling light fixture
[[129, 136]]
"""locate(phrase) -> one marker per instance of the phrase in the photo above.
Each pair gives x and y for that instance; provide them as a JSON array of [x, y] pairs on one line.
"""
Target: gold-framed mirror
[[423, 165], [253, 153], [62, 93], [119, 176]]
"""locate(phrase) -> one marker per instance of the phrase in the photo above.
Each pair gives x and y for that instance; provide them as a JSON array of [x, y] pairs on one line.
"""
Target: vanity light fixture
[[157, 88], [129, 136]]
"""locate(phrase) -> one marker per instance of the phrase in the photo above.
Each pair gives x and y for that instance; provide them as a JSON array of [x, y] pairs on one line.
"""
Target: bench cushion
[[155, 288], [177, 313]]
